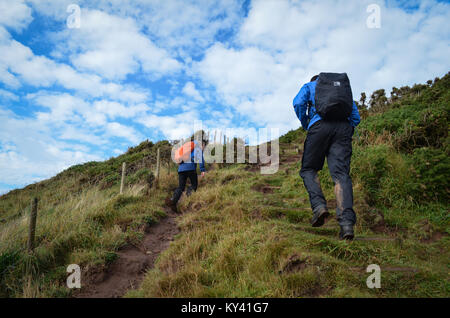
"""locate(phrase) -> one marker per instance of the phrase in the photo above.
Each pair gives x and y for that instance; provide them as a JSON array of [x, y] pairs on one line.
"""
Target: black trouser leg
[[314, 152], [339, 157], [194, 183], [182, 178]]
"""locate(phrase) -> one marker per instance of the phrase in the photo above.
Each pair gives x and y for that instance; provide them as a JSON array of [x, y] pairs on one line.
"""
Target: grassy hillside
[[244, 234], [81, 219]]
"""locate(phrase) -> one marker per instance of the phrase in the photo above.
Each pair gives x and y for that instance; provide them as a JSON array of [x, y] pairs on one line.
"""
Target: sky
[[133, 70]]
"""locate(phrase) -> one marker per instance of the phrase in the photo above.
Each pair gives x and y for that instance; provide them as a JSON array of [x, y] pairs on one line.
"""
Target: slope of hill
[[243, 234]]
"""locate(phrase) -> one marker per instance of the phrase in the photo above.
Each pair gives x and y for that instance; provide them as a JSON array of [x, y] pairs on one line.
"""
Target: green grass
[[235, 245]]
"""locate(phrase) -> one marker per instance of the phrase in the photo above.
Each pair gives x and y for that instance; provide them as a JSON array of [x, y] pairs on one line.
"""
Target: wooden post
[[158, 164], [32, 229], [168, 167], [124, 165]]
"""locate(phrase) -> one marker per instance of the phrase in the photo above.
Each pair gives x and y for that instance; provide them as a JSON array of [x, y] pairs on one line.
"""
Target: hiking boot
[[319, 217], [346, 232], [171, 204]]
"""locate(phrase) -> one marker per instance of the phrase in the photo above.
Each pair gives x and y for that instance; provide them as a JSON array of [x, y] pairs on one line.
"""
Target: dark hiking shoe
[[346, 232], [319, 217], [171, 204]]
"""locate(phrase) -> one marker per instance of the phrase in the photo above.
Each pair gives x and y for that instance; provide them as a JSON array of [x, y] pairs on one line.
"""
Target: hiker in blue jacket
[[188, 170], [331, 139]]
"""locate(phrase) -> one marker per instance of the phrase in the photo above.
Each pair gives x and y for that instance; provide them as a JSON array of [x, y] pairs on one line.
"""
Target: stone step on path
[[387, 268], [331, 227]]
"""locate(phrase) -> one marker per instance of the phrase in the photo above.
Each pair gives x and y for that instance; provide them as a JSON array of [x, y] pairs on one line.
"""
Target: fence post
[[158, 164], [32, 229], [124, 165]]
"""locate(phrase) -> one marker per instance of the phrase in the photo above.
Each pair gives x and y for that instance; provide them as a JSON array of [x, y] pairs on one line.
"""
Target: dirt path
[[128, 270]]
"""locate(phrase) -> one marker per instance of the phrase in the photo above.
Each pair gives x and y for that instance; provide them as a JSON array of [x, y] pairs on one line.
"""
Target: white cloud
[[8, 95], [119, 130], [114, 109], [15, 14], [65, 107], [62, 107], [113, 47], [51, 8], [282, 44], [29, 153], [173, 127], [241, 73], [41, 71], [252, 81], [74, 131], [190, 90], [183, 27], [79, 135]]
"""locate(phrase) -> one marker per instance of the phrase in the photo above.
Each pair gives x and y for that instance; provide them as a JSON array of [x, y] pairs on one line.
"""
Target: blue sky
[[138, 70]]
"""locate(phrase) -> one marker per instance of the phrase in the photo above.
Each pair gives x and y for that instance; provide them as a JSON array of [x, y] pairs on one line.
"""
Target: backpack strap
[[310, 115]]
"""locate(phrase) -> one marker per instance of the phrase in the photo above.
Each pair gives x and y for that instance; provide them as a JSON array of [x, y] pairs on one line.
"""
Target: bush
[[431, 171], [410, 127], [140, 176], [297, 135], [370, 167], [388, 176]]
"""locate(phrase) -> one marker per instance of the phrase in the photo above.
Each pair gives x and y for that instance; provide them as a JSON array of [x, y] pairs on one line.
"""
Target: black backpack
[[333, 97]]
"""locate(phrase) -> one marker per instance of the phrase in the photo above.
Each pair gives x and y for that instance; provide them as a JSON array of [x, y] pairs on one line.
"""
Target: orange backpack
[[184, 152]]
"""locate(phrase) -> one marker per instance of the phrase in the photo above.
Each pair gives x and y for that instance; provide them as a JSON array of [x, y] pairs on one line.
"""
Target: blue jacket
[[305, 95], [196, 157]]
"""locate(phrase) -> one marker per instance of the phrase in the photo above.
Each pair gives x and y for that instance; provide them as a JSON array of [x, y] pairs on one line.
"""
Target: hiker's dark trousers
[[182, 178], [334, 141]]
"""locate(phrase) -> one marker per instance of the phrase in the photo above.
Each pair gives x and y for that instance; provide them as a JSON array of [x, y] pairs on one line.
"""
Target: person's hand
[[203, 174]]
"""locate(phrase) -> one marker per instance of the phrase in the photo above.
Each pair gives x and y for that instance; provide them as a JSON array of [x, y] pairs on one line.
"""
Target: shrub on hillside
[[431, 172], [369, 167], [409, 126], [297, 135], [388, 176], [140, 176], [413, 118]]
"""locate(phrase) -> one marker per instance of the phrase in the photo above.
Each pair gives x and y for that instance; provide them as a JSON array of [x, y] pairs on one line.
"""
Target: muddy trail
[[128, 270]]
